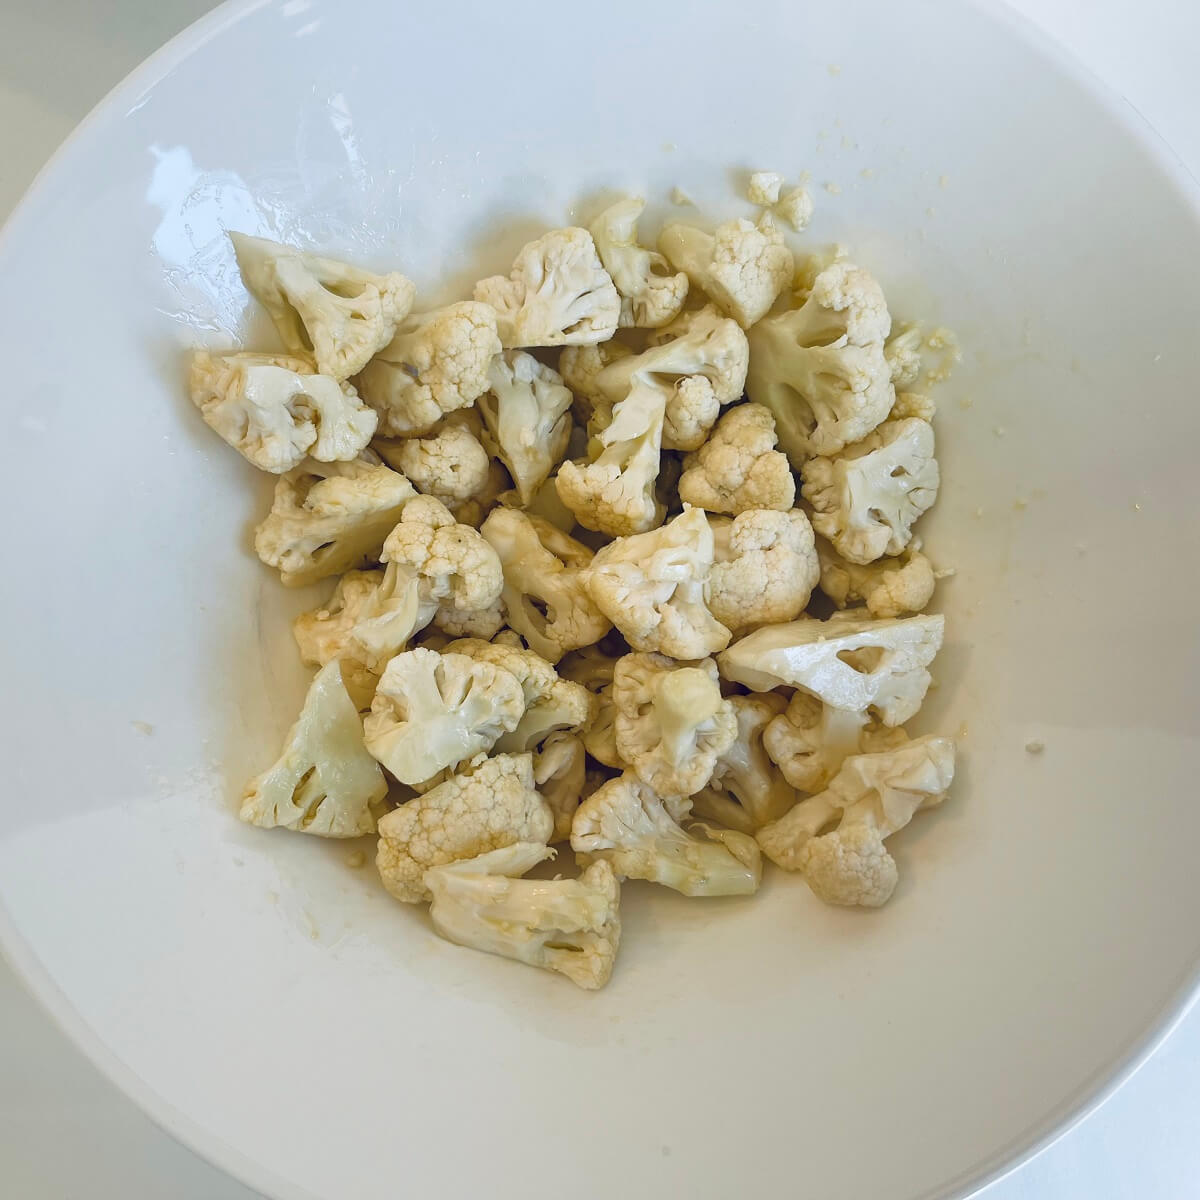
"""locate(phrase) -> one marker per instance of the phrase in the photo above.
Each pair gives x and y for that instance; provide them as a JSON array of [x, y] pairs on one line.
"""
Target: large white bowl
[[274, 1008]]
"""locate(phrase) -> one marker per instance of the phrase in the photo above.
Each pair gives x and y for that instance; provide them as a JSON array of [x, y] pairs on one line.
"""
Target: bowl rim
[[128, 95]]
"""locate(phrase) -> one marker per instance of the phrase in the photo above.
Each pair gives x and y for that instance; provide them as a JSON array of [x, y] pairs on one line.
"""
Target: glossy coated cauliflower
[[866, 500], [738, 468], [557, 294], [651, 296], [490, 804], [436, 364], [742, 266], [341, 314], [764, 570]]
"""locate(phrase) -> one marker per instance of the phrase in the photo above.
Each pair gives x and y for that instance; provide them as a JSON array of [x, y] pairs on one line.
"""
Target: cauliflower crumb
[[143, 727], [1035, 746], [834, 189], [763, 188], [356, 860]]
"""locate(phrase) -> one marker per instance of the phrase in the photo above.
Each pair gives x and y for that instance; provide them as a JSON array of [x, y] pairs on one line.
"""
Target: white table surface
[[65, 1132]]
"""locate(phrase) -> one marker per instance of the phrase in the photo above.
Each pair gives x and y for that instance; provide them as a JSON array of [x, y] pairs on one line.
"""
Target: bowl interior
[[251, 989]]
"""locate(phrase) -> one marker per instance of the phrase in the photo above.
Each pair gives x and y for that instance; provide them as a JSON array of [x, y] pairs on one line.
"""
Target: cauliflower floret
[[274, 409], [328, 518], [763, 188], [874, 795], [672, 723], [742, 266], [557, 294], [580, 367], [559, 770], [544, 595], [432, 711], [572, 926], [810, 741], [847, 663], [483, 623], [746, 791], [821, 368], [594, 670], [474, 510], [903, 354], [325, 782], [449, 464], [796, 208], [738, 468], [890, 587], [551, 703], [765, 568], [652, 587], [640, 835], [324, 633], [436, 364], [913, 404], [490, 804], [527, 410], [866, 500], [341, 314], [650, 295]]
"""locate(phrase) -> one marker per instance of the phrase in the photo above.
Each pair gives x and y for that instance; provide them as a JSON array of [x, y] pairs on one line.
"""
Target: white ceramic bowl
[[275, 1009]]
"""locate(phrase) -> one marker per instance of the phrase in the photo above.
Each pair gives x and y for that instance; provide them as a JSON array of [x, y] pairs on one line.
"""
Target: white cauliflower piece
[[274, 409], [903, 354], [527, 411], [640, 835], [650, 295], [653, 587], [810, 740], [341, 314], [325, 782], [581, 366], [544, 594], [890, 587], [742, 266], [551, 703], [866, 500], [871, 797], [913, 404], [763, 188], [821, 368], [490, 804], [449, 464], [436, 364], [560, 770], [571, 926], [557, 294], [746, 791], [483, 623], [324, 633], [433, 711], [847, 663], [474, 510], [328, 518], [796, 208], [764, 570], [738, 468], [672, 723]]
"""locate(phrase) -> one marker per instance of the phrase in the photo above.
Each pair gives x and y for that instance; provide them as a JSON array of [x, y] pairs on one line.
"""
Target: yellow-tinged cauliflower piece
[[474, 510], [913, 404], [650, 295], [325, 782], [571, 926], [275, 410], [795, 207], [903, 354], [870, 798], [746, 790], [594, 670], [866, 500], [890, 587], [738, 468], [551, 703], [653, 587], [328, 518], [527, 409], [672, 723], [544, 595], [557, 294], [342, 314], [821, 368], [436, 364], [580, 367], [490, 804], [763, 188], [809, 741], [483, 623], [433, 711], [742, 267], [764, 570], [640, 835], [848, 663], [449, 464], [560, 771]]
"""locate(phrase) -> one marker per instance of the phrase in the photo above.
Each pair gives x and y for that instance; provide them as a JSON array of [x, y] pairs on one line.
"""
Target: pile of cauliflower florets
[[575, 523]]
